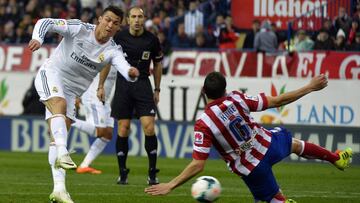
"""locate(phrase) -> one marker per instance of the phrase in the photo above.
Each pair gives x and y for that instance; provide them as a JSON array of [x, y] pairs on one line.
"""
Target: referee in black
[[140, 47]]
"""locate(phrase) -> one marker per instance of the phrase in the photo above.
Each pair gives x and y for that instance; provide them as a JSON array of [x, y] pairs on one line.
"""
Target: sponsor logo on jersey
[[198, 138], [54, 89], [152, 111], [60, 22], [145, 55], [254, 98], [101, 57], [82, 60]]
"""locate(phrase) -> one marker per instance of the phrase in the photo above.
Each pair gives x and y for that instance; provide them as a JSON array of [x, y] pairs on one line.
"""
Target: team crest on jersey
[[101, 57], [198, 137], [145, 55], [54, 89], [60, 22]]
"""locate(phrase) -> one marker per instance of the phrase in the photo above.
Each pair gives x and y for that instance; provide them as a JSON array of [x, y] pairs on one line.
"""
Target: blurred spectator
[[323, 41], [178, 19], [31, 102], [180, 39], [227, 37], [249, 39], [168, 8], [329, 27], [354, 29], [86, 15], [212, 8], [210, 41], [193, 18], [356, 15], [265, 39], [149, 26], [166, 49], [9, 32], [200, 41], [356, 45], [22, 36], [281, 36], [343, 21], [340, 41], [303, 42], [165, 27]]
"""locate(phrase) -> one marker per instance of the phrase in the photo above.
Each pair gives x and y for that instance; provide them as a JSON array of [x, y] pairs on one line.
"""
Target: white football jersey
[[79, 57], [90, 94]]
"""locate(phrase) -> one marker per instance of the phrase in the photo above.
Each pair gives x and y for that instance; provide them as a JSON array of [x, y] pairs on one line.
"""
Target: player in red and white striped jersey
[[249, 149]]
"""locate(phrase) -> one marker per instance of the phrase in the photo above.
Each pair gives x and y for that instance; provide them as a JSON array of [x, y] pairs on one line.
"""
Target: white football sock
[[58, 174], [84, 126], [96, 148], [59, 132]]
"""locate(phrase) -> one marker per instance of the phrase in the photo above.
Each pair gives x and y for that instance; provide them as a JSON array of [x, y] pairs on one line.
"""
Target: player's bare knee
[[56, 105]]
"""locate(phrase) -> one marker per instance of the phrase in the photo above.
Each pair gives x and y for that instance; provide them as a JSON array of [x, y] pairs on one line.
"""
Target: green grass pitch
[[25, 177]]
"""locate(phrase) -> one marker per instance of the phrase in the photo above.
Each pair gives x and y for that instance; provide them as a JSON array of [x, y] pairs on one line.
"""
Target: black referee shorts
[[133, 99]]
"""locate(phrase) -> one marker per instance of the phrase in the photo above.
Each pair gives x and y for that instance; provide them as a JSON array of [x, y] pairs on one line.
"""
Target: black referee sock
[[151, 146], [122, 148]]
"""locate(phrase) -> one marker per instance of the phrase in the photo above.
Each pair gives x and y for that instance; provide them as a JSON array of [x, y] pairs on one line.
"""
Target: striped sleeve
[[60, 26], [202, 141], [255, 103]]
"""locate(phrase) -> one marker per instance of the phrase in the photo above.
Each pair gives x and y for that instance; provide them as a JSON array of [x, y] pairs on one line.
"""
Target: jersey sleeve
[[120, 64], [66, 28], [255, 103], [157, 52], [202, 141]]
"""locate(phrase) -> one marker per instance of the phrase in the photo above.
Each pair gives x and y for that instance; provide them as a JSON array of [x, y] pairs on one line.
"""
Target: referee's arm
[[157, 79]]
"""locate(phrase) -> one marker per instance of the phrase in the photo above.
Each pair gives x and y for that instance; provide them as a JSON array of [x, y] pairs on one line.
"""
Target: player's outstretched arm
[[195, 167], [317, 83]]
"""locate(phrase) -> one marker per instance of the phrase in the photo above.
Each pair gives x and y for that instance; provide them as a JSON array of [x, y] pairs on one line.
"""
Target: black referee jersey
[[140, 50]]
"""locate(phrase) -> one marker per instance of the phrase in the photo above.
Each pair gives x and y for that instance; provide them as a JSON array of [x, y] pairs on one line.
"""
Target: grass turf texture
[[25, 177]]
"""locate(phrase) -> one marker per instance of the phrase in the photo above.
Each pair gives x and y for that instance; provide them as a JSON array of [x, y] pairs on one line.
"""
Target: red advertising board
[[282, 11], [336, 65]]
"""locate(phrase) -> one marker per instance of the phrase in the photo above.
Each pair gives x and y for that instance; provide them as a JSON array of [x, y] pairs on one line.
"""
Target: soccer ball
[[206, 189]]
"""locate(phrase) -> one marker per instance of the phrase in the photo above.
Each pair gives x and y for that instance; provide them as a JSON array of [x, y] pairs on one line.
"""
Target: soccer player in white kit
[[82, 53], [98, 120]]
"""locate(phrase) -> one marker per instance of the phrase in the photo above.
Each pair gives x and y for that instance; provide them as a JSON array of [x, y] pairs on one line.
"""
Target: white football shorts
[[48, 85]]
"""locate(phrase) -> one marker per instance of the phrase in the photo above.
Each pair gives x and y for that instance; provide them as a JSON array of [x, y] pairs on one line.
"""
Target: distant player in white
[[82, 53], [98, 120]]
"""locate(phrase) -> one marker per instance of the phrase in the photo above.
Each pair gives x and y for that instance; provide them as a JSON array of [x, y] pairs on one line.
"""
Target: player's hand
[[34, 45], [159, 189], [133, 73], [101, 94], [156, 97], [318, 82]]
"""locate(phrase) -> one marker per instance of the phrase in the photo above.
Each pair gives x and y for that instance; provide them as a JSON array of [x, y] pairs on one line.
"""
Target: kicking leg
[[312, 151]]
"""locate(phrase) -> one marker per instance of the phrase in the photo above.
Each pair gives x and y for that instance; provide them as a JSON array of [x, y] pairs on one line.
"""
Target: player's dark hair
[[133, 7], [115, 9], [214, 85]]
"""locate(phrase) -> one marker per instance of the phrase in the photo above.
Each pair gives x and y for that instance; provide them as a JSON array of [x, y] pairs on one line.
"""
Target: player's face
[[136, 19], [109, 24]]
